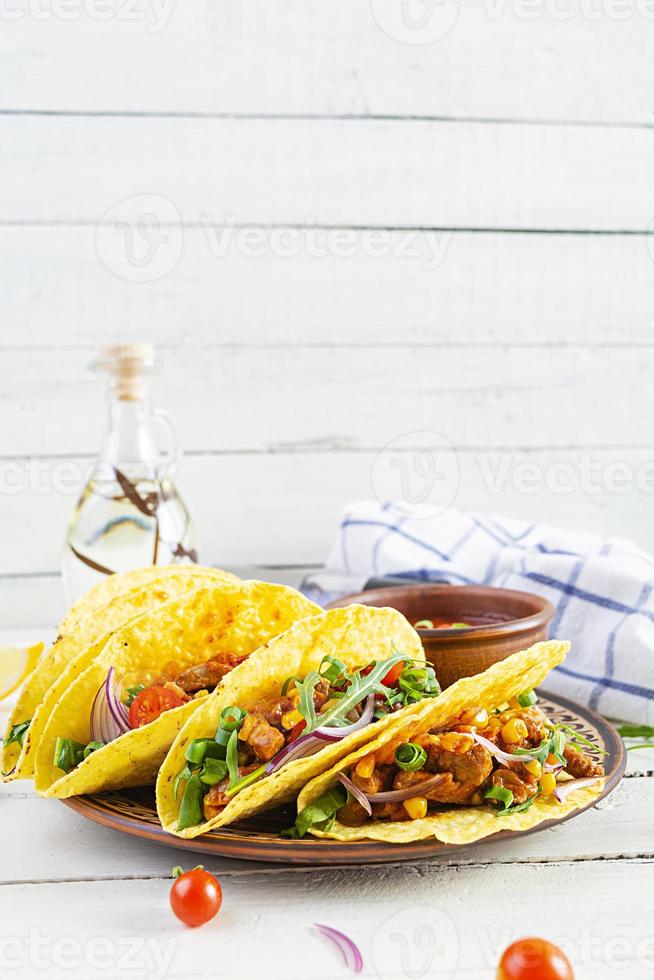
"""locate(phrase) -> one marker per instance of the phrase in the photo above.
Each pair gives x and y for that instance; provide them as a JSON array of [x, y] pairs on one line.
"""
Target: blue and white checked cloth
[[602, 588]]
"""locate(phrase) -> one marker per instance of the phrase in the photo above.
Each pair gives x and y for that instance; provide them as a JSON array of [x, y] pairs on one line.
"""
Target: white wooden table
[[80, 901]]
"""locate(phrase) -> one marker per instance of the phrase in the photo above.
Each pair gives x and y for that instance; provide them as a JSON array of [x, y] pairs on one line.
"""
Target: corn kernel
[[534, 768], [416, 807], [475, 716], [457, 742], [291, 719], [365, 767], [514, 703], [547, 783], [514, 731]]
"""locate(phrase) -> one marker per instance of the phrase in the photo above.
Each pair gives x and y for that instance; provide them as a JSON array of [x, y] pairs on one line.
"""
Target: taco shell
[[356, 635], [81, 637], [463, 824], [186, 631]]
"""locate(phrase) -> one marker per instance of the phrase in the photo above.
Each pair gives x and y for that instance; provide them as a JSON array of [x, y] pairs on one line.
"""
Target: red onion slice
[[354, 791], [419, 789], [333, 733], [506, 757], [349, 950], [308, 744], [107, 723], [298, 749], [563, 790]]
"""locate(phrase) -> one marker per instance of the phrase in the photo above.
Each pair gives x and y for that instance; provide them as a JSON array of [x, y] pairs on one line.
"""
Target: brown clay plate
[[133, 812]]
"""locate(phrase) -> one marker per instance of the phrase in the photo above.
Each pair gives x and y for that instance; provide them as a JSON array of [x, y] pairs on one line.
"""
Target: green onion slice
[[335, 670], [68, 754], [410, 757], [232, 759], [231, 718], [423, 624], [526, 699]]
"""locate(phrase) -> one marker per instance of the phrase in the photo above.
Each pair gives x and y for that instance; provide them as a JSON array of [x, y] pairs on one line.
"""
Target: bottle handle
[[172, 454]]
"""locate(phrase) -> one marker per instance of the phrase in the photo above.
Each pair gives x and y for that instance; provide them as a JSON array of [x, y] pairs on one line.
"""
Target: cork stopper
[[128, 366]]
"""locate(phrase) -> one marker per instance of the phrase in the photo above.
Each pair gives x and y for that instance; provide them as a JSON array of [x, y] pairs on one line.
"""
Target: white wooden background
[[520, 148]]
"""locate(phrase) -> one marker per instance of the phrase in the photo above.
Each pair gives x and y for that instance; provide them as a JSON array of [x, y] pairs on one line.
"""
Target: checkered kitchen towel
[[602, 588]]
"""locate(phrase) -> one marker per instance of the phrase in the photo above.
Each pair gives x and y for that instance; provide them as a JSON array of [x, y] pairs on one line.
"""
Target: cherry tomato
[[150, 703], [534, 959], [195, 897], [393, 676]]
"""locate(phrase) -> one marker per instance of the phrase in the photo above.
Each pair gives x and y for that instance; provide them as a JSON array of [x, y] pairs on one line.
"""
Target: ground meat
[[578, 764], [381, 780], [264, 740], [471, 768], [216, 799], [209, 674], [522, 784]]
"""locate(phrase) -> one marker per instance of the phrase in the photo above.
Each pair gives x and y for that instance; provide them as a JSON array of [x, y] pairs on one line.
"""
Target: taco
[[113, 725], [80, 637], [481, 759], [306, 699]]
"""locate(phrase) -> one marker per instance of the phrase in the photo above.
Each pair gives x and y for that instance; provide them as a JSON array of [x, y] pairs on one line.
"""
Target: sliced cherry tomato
[[534, 959], [195, 897], [150, 703], [297, 730], [393, 676]]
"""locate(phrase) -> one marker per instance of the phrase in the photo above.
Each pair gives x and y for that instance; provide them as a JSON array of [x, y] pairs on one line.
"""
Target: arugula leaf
[[636, 731], [321, 813], [519, 807], [305, 705], [133, 692], [17, 733], [358, 690]]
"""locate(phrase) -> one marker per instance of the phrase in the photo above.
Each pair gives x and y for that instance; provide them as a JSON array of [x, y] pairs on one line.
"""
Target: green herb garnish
[[133, 692], [68, 754], [92, 747], [232, 759], [321, 813], [190, 811], [17, 733], [635, 731], [501, 794]]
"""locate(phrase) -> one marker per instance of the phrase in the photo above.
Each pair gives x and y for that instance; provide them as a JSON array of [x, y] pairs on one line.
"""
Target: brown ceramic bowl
[[503, 621]]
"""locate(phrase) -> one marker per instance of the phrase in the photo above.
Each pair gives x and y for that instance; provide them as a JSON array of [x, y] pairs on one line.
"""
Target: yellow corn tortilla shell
[[465, 825], [187, 630], [356, 635], [80, 641], [123, 582], [460, 825]]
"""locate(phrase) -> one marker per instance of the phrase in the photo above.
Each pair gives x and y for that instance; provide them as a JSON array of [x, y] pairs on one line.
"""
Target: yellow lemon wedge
[[16, 664]]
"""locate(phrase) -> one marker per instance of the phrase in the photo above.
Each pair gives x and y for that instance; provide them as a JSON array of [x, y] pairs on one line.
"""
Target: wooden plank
[[451, 289], [267, 400], [418, 173], [619, 827], [290, 56], [284, 508], [463, 933]]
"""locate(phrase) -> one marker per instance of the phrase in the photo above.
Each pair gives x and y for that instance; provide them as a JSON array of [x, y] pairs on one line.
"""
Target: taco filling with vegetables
[[505, 761], [482, 757], [324, 707], [116, 711]]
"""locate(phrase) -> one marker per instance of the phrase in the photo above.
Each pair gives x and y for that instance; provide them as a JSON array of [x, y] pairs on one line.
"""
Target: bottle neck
[[130, 438]]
